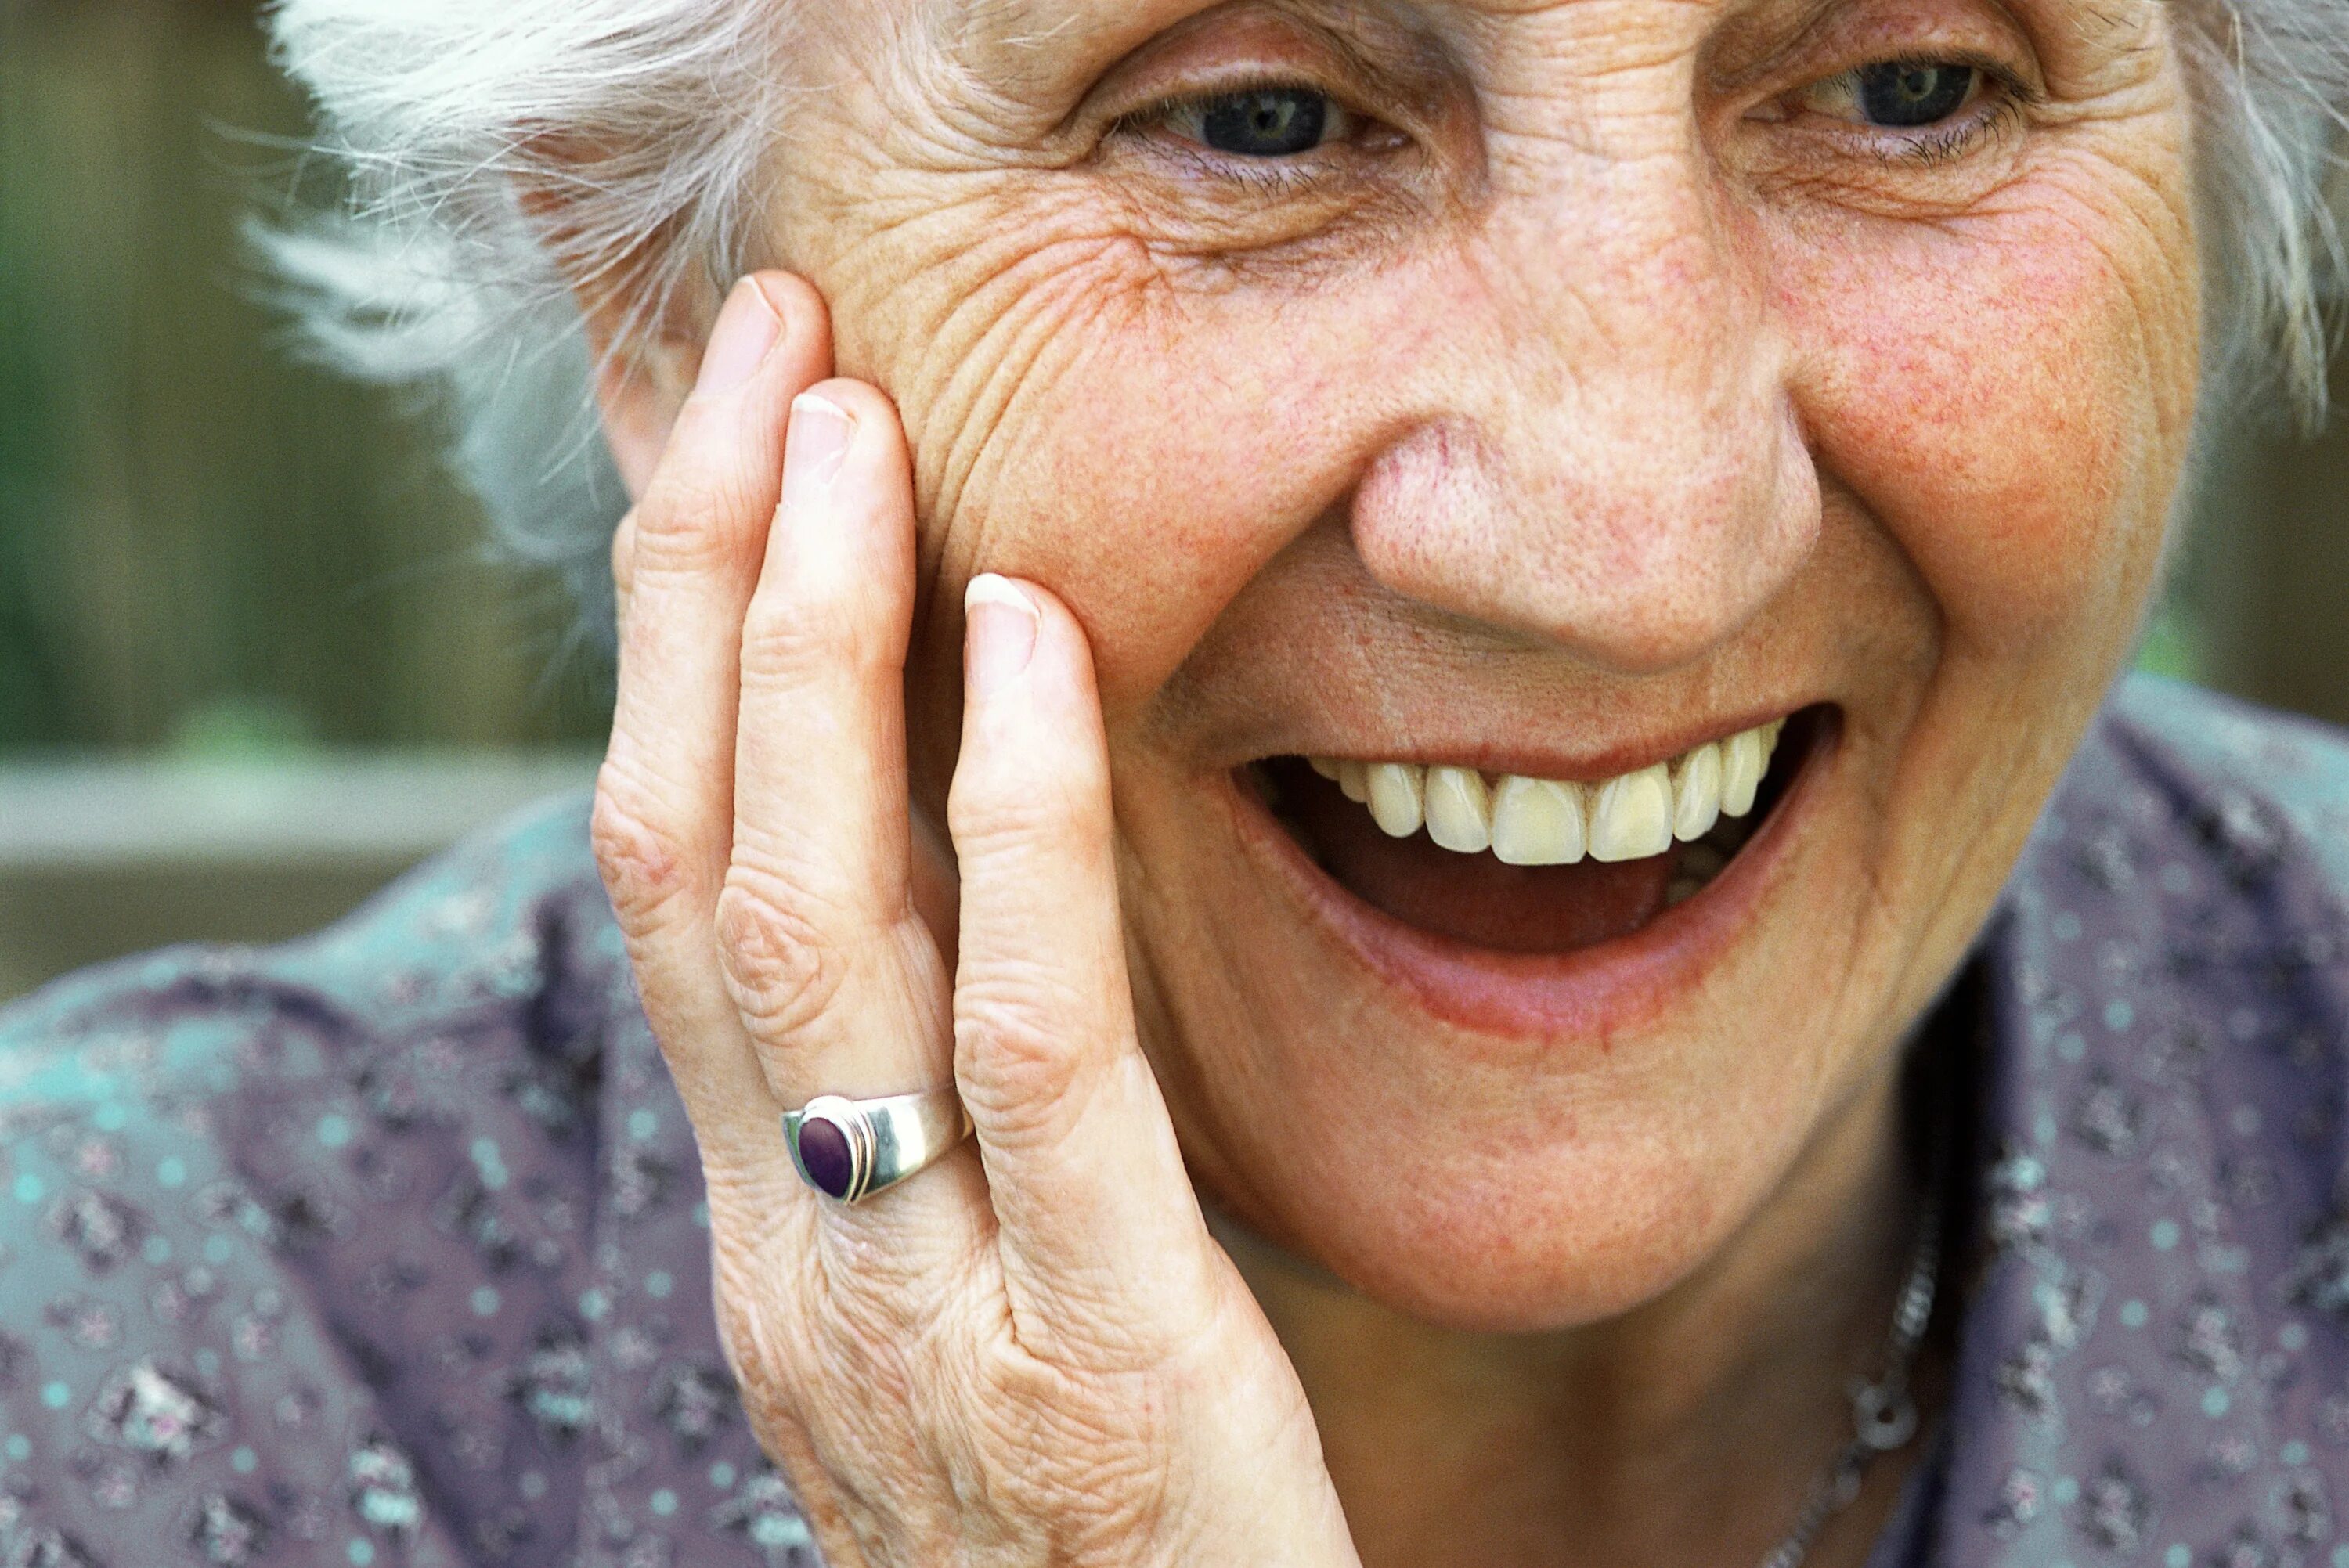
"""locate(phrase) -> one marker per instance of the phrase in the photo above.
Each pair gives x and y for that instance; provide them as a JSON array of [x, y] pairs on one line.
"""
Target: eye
[[1906, 93], [1262, 122], [1897, 94]]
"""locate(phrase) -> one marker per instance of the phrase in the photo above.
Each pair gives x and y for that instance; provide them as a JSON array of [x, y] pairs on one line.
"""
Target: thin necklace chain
[[1883, 1413]]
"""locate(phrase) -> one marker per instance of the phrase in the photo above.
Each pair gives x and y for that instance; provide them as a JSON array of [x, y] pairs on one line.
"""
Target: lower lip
[[1590, 996]]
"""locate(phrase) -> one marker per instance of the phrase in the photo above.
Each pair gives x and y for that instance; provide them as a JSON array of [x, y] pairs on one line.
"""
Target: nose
[[1602, 451]]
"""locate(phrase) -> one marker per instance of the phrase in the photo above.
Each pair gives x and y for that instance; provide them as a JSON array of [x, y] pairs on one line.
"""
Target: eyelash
[[1265, 175], [1938, 145], [2006, 97]]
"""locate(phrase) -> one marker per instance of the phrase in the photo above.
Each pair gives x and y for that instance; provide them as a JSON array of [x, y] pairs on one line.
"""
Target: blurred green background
[[203, 542], [227, 578]]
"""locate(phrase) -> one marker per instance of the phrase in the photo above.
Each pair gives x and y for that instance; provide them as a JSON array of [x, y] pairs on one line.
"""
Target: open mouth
[[1523, 865]]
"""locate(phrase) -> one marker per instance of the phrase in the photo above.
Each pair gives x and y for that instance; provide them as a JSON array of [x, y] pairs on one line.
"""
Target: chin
[[1488, 1256]]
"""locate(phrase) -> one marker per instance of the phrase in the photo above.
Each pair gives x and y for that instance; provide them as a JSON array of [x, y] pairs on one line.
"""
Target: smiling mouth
[[1523, 865]]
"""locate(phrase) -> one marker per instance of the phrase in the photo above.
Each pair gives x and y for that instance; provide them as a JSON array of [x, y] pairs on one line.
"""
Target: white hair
[[512, 164], [511, 158]]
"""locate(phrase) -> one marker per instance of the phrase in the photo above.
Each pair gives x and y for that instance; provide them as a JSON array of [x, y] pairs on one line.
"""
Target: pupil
[[1913, 95], [1279, 123]]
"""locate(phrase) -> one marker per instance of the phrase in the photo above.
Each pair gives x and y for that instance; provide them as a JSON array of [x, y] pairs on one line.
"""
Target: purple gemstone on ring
[[824, 1154]]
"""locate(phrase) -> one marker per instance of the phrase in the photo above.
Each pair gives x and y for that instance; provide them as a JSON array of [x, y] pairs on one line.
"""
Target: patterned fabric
[[387, 1247]]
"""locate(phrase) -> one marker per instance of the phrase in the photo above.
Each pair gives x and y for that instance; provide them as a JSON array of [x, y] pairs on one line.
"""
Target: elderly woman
[[1328, 834]]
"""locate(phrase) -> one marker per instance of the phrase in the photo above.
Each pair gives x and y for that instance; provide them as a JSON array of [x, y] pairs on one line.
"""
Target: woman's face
[[1541, 389]]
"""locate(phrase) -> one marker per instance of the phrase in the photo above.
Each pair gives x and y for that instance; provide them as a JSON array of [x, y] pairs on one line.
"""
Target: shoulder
[[468, 929], [505, 935], [2166, 1111], [2251, 780], [230, 1180]]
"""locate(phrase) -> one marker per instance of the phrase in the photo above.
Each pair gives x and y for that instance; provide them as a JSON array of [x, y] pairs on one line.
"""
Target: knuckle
[[785, 968], [646, 868], [1012, 810], [1008, 1055], [927, 1413], [859, 1384], [695, 515], [804, 636], [777, 1373], [924, 1298], [772, 1321], [859, 1362]]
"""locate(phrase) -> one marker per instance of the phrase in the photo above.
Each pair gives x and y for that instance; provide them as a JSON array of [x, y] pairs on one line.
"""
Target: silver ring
[[849, 1150]]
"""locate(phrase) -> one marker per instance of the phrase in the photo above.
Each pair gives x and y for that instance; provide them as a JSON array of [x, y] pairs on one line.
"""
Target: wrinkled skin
[[1609, 391]]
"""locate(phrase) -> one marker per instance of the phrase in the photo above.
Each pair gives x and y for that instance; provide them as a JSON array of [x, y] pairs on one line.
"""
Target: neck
[[1688, 1430]]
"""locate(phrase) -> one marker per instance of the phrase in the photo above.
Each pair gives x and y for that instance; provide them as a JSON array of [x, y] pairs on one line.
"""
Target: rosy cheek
[[1148, 480], [2005, 396]]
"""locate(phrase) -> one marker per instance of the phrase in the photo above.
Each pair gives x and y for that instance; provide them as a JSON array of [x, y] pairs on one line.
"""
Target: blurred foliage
[[203, 542]]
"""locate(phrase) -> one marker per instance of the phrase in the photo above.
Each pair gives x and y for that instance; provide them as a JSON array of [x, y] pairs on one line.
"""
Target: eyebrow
[[1006, 28], [1003, 41], [1793, 21]]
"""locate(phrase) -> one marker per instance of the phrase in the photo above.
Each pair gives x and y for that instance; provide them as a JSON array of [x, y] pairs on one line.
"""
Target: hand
[[1032, 1352]]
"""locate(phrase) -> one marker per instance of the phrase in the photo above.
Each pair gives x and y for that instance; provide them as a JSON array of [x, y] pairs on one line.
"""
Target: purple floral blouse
[[387, 1247]]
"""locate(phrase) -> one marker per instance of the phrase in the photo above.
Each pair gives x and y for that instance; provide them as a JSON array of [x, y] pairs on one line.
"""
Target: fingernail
[[745, 333], [1000, 621], [817, 444]]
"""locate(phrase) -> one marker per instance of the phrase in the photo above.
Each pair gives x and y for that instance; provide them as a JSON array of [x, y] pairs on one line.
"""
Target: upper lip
[[1529, 756]]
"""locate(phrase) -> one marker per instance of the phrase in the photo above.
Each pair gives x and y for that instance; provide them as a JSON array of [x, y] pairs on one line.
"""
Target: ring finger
[[843, 985]]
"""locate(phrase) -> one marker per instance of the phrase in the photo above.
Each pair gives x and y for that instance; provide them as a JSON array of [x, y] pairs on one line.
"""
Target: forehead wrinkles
[[1603, 77]]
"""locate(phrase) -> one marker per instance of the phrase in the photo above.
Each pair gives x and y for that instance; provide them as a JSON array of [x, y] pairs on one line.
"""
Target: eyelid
[[1963, 135], [1999, 81], [1840, 38]]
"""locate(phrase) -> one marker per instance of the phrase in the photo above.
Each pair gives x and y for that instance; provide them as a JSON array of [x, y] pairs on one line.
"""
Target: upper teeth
[[1549, 822]]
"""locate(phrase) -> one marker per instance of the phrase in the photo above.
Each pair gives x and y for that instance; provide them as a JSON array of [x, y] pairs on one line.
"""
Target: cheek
[[1154, 458], [2010, 397]]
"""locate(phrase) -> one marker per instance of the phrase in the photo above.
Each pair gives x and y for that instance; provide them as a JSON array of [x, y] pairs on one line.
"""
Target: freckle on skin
[[1162, 438]]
